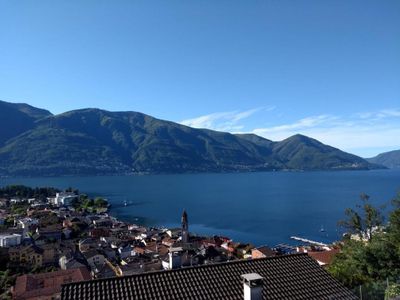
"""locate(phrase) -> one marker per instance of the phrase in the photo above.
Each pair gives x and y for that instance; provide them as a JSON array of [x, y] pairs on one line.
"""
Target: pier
[[308, 241]]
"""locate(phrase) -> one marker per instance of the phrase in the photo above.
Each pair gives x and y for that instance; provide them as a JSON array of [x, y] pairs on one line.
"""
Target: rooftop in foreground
[[285, 277]]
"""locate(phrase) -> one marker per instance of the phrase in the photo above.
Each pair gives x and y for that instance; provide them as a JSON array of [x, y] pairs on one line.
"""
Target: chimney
[[175, 258], [252, 286]]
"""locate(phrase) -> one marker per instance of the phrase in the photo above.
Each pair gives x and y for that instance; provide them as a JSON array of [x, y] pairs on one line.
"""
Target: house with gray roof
[[295, 276]]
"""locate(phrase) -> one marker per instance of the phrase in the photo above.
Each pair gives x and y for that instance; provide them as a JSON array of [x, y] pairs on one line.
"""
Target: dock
[[308, 241]]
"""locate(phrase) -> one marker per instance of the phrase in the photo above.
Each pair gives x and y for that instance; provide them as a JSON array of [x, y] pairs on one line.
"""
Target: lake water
[[262, 208]]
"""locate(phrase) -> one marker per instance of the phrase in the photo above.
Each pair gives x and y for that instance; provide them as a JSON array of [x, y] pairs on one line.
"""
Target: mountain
[[389, 159], [94, 141], [16, 118]]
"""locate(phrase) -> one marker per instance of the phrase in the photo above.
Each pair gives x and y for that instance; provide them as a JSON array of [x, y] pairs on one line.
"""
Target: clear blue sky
[[327, 69]]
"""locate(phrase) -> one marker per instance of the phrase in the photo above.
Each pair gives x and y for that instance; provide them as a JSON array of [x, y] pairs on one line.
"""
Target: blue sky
[[327, 69]]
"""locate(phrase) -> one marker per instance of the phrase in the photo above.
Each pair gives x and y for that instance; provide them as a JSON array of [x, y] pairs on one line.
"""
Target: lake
[[262, 208]]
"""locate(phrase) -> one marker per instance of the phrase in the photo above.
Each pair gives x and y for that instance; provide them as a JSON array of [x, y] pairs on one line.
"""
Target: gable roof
[[285, 277]]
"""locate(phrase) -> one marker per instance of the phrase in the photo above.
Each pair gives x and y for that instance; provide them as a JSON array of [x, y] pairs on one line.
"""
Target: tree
[[363, 221], [394, 220], [100, 202], [348, 265], [377, 257]]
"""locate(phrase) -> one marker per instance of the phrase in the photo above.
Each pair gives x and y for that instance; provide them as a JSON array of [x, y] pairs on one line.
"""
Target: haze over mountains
[[389, 159], [93, 142]]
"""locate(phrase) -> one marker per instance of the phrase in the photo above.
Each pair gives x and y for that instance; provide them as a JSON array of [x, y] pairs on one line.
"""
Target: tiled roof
[[324, 257], [285, 277], [266, 251], [47, 284]]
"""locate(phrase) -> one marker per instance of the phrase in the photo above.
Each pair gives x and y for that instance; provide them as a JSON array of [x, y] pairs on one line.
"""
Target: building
[[10, 240], [27, 255], [174, 259], [51, 233], [46, 286], [262, 252], [27, 223], [185, 227], [295, 276], [324, 258], [126, 251], [87, 243], [3, 216], [64, 199], [67, 262], [94, 259], [99, 232]]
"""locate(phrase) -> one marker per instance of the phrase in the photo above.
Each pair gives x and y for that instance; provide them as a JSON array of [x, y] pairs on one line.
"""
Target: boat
[[322, 229], [125, 203]]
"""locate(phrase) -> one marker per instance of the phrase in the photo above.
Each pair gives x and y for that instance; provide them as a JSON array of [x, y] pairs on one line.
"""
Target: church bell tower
[[185, 227]]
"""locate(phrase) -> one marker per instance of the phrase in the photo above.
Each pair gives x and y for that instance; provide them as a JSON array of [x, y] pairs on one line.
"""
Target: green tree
[[374, 259], [364, 220], [100, 202], [348, 266]]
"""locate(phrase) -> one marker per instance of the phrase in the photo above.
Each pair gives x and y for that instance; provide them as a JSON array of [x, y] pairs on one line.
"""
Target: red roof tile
[[324, 257], [46, 284]]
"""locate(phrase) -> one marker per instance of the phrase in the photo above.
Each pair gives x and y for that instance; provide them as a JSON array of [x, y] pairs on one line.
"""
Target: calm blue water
[[262, 208]]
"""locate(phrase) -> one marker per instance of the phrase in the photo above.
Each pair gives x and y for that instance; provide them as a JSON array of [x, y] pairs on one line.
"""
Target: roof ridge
[[191, 267]]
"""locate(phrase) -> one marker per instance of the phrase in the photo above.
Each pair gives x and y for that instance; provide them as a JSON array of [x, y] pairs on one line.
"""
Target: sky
[[327, 69]]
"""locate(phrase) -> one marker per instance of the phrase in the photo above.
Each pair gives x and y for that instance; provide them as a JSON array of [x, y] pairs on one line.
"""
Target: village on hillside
[[49, 238]]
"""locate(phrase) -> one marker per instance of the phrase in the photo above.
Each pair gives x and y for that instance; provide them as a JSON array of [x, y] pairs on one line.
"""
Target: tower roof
[[184, 217]]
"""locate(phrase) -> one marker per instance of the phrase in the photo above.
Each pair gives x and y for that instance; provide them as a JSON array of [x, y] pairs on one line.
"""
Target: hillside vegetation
[[389, 159], [94, 141]]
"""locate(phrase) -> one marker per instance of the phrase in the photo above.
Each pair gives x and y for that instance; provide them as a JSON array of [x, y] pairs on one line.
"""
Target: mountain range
[[389, 159], [34, 142]]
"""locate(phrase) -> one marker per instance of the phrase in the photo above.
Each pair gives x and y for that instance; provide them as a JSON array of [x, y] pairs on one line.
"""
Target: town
[[50, 237]]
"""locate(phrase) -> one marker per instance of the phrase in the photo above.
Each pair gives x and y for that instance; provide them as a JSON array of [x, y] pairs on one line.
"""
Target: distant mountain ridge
[[16, 118], [389, 159], [95, 141]]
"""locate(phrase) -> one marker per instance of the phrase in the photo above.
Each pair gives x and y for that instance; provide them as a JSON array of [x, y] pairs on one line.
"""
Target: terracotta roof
[[324, 257], [266, 251], [47, 284], [286, 277]]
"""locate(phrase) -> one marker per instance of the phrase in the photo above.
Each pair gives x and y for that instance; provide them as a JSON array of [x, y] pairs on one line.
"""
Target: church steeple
[[185, 227]]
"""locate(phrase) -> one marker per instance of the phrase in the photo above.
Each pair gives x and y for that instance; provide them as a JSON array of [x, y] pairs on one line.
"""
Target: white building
[[125, 252], [94, 259], [16, 200], [26, 223], [64, 199], [10, 240], [174, 259]]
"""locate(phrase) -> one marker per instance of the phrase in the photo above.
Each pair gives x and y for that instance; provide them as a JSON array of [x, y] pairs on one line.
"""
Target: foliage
[[48, 219], [371, 291], [9, 221], [363, 220], [393, 290], [100, 202], [378, 258], [17, 118], [7, 280], [84, 203], [93, 141], [19, 208], [78, 229], [25, 192]]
